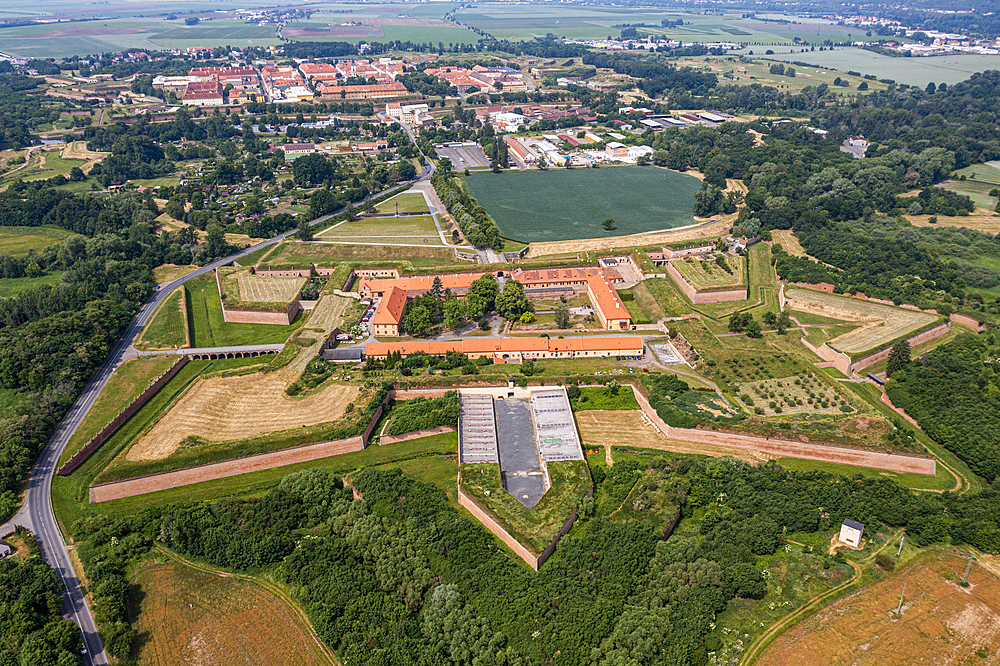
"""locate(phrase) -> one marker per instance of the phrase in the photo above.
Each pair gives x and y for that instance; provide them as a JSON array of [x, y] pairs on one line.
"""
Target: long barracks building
[[515, 349]]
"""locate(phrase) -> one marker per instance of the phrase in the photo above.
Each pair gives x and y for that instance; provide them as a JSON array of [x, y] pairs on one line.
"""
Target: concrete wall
[[838, 360], [124, 415], [261, 317], [793, 448]]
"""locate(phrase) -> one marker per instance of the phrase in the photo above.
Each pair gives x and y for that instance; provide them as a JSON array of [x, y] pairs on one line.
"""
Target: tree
[[608, 224], [482, 295], [436, 288], [216, 240], [175, 208], [899, 357], [406, 170], [783, 322], [418, 320], [454, 313], [322, 202], [753, 328], [305, 230], [76, 175], [512, 303], [191, 20], [562, 316], [445, 165]]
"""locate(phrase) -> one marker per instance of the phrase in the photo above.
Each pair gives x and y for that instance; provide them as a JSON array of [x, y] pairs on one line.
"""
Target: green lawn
[[69, 494], [408, 202], [129, 380], [942, 481], [53, 165], [598, 397], [419, 230], [18, 241], [168, 327], [665, 293], [989, 171], [978, 192], [209, 328]]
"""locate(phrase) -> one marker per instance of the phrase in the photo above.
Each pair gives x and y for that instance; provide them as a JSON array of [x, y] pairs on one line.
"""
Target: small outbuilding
[[850, 533]]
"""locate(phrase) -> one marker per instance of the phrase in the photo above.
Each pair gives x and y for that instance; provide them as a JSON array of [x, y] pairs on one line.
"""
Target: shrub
[[885, 562]]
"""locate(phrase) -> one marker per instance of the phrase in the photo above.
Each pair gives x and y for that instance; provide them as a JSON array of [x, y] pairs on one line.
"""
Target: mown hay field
[[940, 620], [882, 323], [190, 617], [709, 275], [267, 289], [220, 409]]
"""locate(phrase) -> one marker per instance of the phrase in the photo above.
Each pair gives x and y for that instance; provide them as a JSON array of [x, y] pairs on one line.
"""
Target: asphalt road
[[36, 513]]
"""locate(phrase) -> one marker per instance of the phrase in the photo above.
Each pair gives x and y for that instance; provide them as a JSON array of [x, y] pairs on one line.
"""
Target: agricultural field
[[788, 242], [881, 324], [802, 395], [533, 527], [418, 230], [915, 71], [220, 409], [19, 241], [188, 616], [168, 327], [379, 23], [407, 202], [209, 328], [574, 203], [708, 274], [516, 22], [939, 618], [130, 379], [732, 69]]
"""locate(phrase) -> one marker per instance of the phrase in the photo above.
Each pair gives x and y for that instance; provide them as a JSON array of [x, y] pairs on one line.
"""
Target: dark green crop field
[[566, 205]]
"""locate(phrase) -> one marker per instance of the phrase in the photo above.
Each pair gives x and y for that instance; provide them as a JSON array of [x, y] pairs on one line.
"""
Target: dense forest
[[401, 577], [953, 392], [53, 336]]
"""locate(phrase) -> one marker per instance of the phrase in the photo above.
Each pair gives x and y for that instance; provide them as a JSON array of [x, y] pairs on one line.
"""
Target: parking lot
[[463, 155]]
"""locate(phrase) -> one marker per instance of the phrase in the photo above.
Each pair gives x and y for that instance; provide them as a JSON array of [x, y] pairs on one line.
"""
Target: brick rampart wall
[[886, 400], [493, 526], [682, 284], [702, 297], [793, 449], [883, 354], [221, 470], [119, 420]]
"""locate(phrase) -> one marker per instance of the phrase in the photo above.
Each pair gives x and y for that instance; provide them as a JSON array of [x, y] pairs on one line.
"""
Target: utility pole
[[968, 567], [900, 545], [900, 607]]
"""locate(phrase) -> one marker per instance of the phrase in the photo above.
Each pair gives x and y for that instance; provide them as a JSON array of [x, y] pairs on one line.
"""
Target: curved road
[[36, 513]]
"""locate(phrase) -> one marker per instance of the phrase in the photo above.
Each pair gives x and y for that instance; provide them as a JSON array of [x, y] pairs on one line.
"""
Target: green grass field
[[209, 328], [408, 202], [942, 481], [914, 71], [18, 241], [304, 255], [418, 230], [10, 287], [129, 380], [565, 205], [978, 192], [709, 275], [53, 165], [70, 494], [989, 171], [168, 327]]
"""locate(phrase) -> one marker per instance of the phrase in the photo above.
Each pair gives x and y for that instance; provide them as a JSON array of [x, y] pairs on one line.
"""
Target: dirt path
[[296, 609], [755, 649]]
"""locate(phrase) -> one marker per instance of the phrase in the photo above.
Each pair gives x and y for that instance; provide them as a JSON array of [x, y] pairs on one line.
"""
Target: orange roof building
[[417, 285], [390, 313], [515, 349], [376, 91]]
